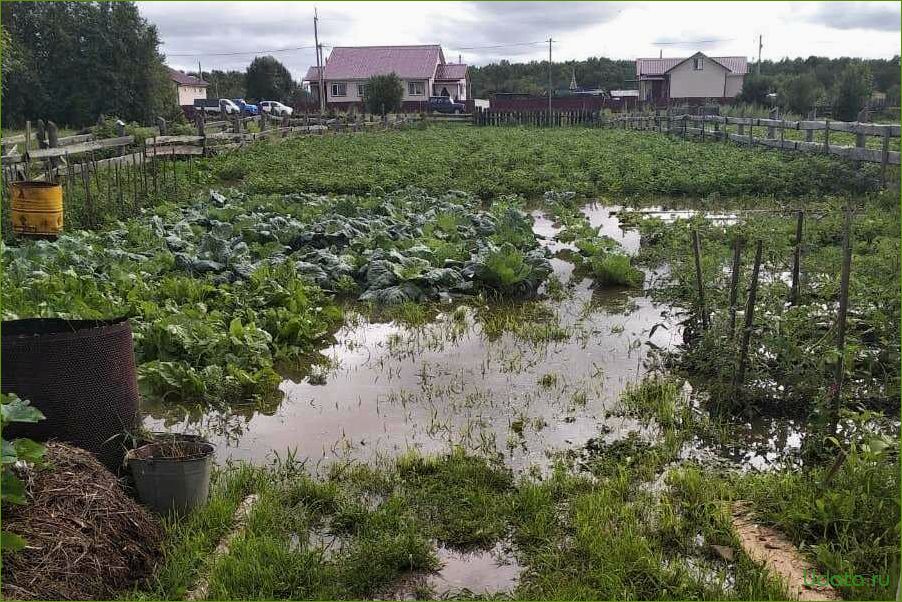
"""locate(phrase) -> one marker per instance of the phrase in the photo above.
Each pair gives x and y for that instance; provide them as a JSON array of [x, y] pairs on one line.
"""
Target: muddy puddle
[[492, 572], [525, 380]]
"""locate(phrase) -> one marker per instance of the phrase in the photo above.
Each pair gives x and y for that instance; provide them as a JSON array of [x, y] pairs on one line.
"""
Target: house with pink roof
[[695, 78], [422, 69]]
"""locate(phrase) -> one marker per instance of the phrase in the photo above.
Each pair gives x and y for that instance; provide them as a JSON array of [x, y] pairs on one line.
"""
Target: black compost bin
[[80, 374]]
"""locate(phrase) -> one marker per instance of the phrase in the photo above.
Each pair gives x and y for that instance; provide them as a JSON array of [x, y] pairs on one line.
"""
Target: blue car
[[247, 109]]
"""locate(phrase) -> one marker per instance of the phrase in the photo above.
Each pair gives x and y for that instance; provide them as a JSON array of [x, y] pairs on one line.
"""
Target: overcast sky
[[227, 35]]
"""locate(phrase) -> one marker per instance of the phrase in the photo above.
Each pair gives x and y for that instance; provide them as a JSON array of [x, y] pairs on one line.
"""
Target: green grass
[[593, 528]]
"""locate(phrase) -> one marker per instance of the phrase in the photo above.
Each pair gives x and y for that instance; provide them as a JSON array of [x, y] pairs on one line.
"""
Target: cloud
[[880, 16]]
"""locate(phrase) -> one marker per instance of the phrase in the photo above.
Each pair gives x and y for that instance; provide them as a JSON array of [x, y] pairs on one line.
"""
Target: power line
[[693, 42], [292, 49], [540, 43]]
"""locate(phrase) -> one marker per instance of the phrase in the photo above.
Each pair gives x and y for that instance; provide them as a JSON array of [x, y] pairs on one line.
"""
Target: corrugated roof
[[362, 62], [312, 74], [183, 79], [736, 64], [451, 72]]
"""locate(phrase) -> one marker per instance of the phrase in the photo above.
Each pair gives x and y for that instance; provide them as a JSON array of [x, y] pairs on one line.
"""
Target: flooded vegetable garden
[[542, 392]]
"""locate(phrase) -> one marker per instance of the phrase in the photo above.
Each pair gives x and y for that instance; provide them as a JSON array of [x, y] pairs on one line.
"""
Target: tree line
[[800, 84], [71, 62], [532, 77], [264, 79], [845, 85]]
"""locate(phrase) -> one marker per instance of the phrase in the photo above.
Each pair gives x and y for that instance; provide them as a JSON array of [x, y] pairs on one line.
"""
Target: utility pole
[[319, 65], [549, 79], [200, 73], [760, 46]]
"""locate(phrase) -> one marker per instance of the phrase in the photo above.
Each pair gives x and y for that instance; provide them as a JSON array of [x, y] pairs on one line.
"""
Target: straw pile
[[86, 539]]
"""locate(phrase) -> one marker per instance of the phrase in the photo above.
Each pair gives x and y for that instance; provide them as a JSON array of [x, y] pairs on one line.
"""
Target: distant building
[[698, 77], [188, 87], [422, 69]]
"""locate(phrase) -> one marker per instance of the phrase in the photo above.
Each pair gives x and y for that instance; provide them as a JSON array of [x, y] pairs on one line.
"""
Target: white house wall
[[734, 85], [686, 82], [352, 95], [188, 94]]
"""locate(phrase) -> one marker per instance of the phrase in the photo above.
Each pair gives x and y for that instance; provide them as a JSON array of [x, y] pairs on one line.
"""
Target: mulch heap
[[86, 538]]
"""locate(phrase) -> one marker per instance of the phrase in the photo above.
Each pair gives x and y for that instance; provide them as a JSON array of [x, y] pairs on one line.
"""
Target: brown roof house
[[422, 69], [188, 87], [698, 77]]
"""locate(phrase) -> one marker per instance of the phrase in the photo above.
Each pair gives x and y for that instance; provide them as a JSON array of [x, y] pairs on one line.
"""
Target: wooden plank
[[175, 151], [739, 120], [16, 139], [874, 129], [11, 159], [75, 168], [77, 139], [172, 140], [80, 148], [814, 125]]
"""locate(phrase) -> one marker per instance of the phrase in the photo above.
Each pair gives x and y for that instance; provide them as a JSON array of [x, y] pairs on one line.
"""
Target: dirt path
[[770, 548]]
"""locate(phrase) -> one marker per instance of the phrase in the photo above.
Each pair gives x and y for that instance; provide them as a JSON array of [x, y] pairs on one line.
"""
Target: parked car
[[274, 107], [444, 104], [247, 108], [221, 106]]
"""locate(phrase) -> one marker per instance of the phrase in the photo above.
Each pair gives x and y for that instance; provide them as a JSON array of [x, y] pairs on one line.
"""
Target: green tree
[[80, 60], [268, 79], [755, 89], [383, 94], [853, 88], [800, 93], [225, 84]]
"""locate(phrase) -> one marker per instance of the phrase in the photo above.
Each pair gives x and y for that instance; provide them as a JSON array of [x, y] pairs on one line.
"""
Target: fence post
[[734, 283], [841, 315], [796, 260], [739, 376], [826, 136], [696, 251], [884, 161]]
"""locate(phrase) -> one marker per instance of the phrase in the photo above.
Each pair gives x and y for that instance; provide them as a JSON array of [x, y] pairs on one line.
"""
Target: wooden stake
[[796, 260], [734, 283], [696, 251], [739, 376], [841, 315]]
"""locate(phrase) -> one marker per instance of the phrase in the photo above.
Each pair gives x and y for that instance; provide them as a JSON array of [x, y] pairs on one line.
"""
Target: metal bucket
[[172, 476], [80, 374], [36, 208]]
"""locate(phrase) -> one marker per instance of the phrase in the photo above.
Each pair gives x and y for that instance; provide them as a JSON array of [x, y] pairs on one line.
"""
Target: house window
[[416, 88], [699, 64], [339, 89], [361, 90]]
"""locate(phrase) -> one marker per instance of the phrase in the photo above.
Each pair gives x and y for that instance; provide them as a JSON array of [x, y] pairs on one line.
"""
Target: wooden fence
[[42, 155], [112, 178], [491, 117], [855, 141], [778, 133]]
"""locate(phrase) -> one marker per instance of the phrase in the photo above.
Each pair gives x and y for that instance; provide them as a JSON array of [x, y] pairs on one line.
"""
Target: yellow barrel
[[37, 208]]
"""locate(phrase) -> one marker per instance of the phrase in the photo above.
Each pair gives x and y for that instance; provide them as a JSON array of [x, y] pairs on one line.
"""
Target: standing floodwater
[[523, 378]]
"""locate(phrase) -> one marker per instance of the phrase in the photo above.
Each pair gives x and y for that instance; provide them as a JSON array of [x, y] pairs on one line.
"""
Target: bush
[[383, 94]]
